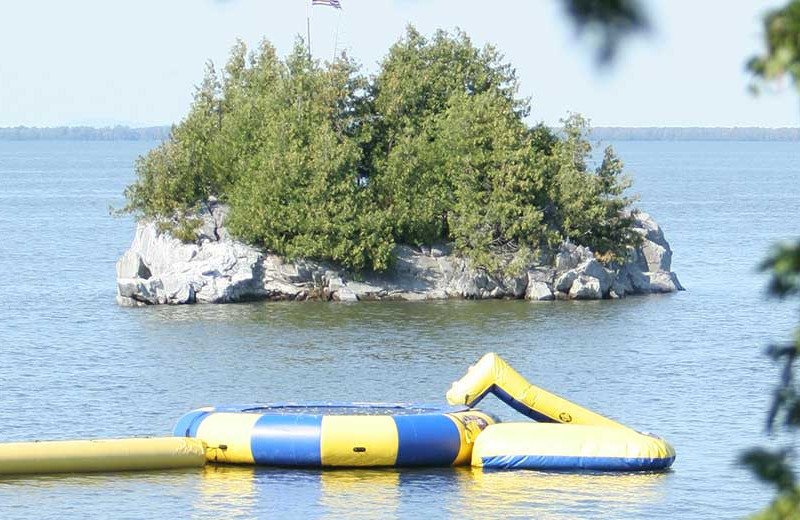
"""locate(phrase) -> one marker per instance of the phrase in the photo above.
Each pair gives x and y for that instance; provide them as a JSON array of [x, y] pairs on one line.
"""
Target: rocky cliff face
[[160, 269]]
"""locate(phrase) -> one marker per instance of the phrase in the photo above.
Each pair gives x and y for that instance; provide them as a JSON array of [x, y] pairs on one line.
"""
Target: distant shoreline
[[602, 133], [84, 133], [612, 133]]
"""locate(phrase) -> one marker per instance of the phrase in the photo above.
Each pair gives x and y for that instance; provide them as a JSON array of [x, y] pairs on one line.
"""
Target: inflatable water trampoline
[[562, 436], [336, 434]]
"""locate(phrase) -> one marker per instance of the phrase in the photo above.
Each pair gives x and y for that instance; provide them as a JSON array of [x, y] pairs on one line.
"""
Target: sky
[[101, 62]]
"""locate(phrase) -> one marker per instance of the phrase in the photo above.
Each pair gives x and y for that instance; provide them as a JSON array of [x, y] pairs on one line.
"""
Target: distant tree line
[[600, 133], [320, 161], [611, 133], [84, 133]]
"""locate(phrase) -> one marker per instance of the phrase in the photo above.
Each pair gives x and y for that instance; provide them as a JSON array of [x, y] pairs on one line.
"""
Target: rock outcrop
[[160, 269]]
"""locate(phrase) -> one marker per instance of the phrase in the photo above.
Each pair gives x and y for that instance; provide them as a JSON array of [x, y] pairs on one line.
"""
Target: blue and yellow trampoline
[[336, 434]]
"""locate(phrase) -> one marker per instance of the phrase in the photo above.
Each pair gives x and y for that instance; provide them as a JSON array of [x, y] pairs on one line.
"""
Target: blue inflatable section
[[187, 425], [287, 440], [426, 440], [573, 463], [516, 405]]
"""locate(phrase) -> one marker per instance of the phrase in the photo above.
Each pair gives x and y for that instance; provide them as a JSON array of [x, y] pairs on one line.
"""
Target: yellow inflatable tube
[[492, 374], [101, 455]]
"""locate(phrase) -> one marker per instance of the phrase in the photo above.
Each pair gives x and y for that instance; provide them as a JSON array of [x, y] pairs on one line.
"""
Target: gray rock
[[564, 282], [664, 283], [542, 274], [657, 258], [649, 228], [516, 286], [650, 283], [595, 269], [345, 295], [366, 291], [335, 282], [440, 250], [539, 291], [621, 286], [464, 286], [213, 222], [176, 289], [570, 255], [283, 290], [654, 255], [130, 265], [411, 296], [140, 290], [124, 301], [586, 288]]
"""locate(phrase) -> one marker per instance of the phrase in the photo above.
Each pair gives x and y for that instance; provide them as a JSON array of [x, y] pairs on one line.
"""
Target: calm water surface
[[686, 366]]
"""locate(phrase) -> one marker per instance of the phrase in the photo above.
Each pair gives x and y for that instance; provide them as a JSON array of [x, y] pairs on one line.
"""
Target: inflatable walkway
[[101, 455]]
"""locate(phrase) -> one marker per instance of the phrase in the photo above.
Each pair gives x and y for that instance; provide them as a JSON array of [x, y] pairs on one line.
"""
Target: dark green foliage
[[320, 162], [782, 42], [612, 19], [496, 211], [775, 467], [181, 172], [784, 266], [418, 82], [298, 192], [781, 61]]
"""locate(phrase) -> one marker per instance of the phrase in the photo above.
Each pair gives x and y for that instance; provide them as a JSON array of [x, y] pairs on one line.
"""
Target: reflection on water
[[517, 493], [226, 492], [371, 493], [244, 492]]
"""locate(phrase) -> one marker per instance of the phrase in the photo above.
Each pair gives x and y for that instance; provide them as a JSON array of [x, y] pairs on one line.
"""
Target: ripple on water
[[686, 366]]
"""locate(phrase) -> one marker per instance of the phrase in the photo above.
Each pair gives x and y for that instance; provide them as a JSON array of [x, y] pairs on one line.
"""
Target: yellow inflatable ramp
[[87, 456], [492, 374]]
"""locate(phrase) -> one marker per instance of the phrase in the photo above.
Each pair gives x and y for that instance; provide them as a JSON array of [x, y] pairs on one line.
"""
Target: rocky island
[[293, 180]]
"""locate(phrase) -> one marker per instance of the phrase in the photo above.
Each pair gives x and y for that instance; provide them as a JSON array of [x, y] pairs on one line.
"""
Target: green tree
[[497, 210], [775, 465], [589, 208], [298, 193], [452, 159], [408, 96], [175, 176]]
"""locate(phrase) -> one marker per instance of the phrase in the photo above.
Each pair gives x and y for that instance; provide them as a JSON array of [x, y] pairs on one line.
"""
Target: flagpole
[[336, 38], [308, 27]]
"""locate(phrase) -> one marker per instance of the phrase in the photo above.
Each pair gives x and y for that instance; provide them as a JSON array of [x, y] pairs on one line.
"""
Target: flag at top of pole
[[329, 3]]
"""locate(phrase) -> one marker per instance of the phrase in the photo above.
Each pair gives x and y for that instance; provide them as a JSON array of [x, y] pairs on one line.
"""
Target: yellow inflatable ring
[[336, 434]]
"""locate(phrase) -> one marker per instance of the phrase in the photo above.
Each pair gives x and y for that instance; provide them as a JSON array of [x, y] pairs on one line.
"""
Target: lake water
[[687, 366]]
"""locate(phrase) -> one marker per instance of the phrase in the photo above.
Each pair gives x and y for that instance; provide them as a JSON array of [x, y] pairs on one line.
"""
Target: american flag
[[329, 3]]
